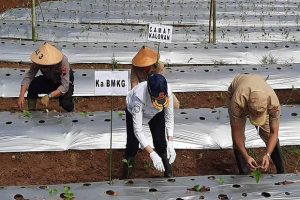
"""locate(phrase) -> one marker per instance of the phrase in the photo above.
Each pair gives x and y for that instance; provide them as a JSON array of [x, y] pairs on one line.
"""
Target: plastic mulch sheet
[[194, 129], [279, 187]]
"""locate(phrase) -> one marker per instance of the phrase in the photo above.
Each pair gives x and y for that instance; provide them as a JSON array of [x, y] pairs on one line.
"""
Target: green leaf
[[297, 152], [26, 113], [52, 191], [220, 181], [256, 175], [197, 188]]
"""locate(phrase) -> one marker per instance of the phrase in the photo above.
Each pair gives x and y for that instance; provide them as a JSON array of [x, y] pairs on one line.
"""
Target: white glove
[[157, 162], [171, 154]]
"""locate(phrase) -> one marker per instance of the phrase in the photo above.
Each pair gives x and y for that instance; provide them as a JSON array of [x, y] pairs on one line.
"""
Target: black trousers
[[43, 85], [157, 128]]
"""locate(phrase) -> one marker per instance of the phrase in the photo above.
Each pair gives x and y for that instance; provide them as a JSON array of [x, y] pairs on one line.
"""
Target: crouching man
[[56, 79], [150, 101]]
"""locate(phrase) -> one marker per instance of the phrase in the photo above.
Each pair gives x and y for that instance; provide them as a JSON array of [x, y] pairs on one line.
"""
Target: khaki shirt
[[239, 92]]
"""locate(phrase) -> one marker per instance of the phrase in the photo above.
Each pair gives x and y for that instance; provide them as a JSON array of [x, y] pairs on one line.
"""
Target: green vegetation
[[268, 59], [197, 188], [26, 114], [257, 175]]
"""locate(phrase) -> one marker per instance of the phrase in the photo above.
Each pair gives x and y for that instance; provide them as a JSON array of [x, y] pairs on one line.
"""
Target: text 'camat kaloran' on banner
[[111, 83], [160, 33]]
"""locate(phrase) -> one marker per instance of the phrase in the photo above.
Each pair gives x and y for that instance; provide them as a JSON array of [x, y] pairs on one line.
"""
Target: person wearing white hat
[[56, 79], [150, 102], [146, 62], [251, 96]]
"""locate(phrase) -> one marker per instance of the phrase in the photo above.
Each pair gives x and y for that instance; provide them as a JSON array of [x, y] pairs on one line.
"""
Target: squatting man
[[56, 80]]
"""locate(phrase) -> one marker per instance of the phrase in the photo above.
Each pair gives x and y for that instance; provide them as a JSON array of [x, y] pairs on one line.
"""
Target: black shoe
[[168, 168]]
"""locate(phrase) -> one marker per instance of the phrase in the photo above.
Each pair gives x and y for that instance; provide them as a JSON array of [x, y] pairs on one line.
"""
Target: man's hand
[[252, 163], [157, 162], [21, 102], [171, 154], [45, 100], [265, 162]]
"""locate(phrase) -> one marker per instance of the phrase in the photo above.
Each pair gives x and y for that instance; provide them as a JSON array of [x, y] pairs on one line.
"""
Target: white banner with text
[[160, 33], [111, 83]]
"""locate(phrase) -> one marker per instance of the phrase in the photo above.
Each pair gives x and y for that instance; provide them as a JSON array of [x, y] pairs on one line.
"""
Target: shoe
[[168, 168]]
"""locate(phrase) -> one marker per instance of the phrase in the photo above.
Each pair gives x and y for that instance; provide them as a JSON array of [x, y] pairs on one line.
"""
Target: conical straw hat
[[145, 57], [46, 55]]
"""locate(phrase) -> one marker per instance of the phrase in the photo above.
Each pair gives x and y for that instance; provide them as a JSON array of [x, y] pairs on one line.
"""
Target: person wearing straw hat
[[251, 96], [56, 79], [150, 102], [145, 62]]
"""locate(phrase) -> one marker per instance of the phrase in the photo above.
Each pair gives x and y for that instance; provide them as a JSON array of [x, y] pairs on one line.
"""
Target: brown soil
[[34, 168]]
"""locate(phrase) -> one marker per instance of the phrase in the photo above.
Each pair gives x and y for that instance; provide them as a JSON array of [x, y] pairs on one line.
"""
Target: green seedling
[[220, 96], [115, 64], [67, 193], [52, 192], [268, 59], [127, 162], [26, 114], [297, 152], [84, 114], [129, 165], [257, 175], [220, 180], [120, 114], [197, 188]]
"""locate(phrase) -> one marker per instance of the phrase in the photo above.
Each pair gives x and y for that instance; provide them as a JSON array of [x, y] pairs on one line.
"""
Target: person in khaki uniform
[[146, 62], [250, 96]]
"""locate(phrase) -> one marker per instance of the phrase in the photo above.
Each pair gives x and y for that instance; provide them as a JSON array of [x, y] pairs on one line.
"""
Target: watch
[[268, 156]]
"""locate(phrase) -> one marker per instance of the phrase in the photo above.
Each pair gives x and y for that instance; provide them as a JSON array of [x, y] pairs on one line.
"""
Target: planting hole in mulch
[[74, 120], [8, 123], [87, 184], [179, 198], [107, 120], [19, 197], [223, 197], [294, 114], [284, 183], [266, 194], [244, 194], [43, 187], [287, 193], [42, 121], [211, 177], [152, 190], [129, 182], [236, 185], [111, 193], [201, 197], [202, 118], [172, 180]]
